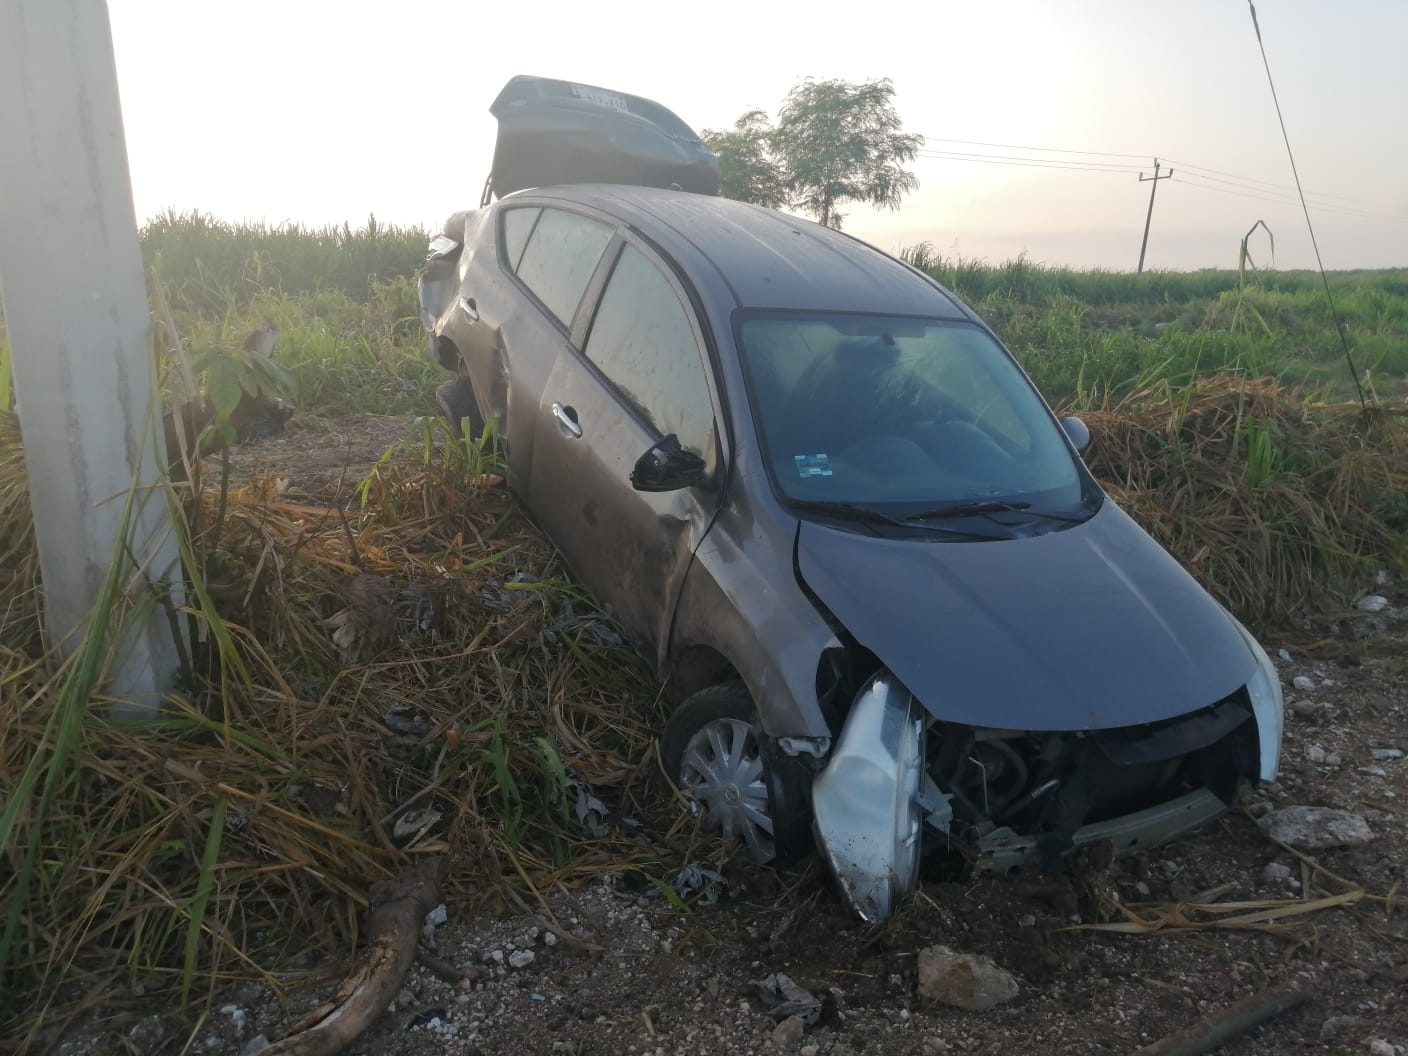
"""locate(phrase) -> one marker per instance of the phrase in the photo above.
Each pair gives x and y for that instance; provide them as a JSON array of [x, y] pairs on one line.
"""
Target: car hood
[[1089, 627]]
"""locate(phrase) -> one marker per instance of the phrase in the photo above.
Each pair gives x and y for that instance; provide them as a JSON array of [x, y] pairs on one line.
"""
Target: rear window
[[559, 258]]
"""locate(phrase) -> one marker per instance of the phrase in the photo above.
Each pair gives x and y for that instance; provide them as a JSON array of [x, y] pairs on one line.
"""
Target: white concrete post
[[76, 312]]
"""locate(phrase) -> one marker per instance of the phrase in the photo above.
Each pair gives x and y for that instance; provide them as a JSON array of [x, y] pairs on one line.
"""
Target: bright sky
[[320, 111]]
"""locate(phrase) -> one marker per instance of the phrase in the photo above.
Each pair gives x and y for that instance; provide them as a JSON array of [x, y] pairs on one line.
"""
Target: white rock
[[1315, 828], [1385, 754], [1333, 759], [1380, 1047], [521, 958], [1315, 754], [963, 980], [1372, 603], [1304, 683], [1276, 871]]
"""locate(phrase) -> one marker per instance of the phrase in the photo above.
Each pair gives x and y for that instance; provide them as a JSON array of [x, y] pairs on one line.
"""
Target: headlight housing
[[1264, 689], [866, 801]]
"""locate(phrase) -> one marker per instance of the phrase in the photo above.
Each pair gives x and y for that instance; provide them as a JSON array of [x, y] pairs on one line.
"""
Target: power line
[[1290, 201], [1281, 186], [1034, 163], [1044, 150], [1253, 193], [1234, 179], [1314, 244], [1120, 167]]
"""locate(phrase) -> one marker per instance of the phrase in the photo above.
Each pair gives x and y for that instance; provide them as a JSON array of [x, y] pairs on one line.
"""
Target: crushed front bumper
[[873, 801]]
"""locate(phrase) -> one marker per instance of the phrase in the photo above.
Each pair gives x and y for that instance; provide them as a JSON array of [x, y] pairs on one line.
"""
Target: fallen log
[[1219, 1027], [399, 907]]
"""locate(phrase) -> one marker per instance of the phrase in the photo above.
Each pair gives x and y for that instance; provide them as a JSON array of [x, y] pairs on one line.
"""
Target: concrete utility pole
[[80, 333], [1153, 182]]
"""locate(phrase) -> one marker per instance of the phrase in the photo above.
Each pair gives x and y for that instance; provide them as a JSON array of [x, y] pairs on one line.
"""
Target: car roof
[[766, 258]]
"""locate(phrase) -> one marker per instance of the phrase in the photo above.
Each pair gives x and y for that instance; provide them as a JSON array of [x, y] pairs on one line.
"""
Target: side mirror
[[667, 467], [1078, 431]]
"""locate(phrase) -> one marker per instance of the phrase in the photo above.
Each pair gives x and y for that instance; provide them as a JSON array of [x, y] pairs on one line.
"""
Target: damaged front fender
[[866, 802]]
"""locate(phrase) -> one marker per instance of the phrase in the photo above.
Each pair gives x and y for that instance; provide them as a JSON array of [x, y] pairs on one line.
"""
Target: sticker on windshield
[[812, 465]]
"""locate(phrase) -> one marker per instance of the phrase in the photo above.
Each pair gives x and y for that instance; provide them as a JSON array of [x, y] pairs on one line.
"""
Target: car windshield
[[915, 418]]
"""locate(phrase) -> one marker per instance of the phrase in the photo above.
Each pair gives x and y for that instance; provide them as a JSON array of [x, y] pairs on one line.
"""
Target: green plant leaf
[[222, 385]]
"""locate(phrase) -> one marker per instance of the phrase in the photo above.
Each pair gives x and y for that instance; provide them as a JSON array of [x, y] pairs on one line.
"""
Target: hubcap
[[723, 769]]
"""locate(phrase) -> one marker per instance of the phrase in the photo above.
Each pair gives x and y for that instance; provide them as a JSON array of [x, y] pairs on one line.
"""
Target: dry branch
[[400, 906], [1213, 1030]]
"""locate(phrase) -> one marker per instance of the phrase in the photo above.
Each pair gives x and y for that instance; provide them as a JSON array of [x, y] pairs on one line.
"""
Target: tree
[[747, 170], [838, 142]]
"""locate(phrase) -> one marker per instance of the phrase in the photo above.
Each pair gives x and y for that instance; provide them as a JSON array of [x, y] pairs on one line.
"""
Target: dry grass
[[239, 832], [374, 686]]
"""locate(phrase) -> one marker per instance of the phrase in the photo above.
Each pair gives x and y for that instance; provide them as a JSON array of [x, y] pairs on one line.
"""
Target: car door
[[641, 374], [522, 299]]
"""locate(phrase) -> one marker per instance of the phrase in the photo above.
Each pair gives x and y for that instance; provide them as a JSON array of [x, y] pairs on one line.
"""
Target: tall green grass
[[215, 259], [1088, 338], [344, 302]]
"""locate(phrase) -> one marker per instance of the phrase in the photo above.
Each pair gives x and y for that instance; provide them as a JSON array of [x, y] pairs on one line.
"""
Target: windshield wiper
[[851, 511], [986, 507], [968, 509]]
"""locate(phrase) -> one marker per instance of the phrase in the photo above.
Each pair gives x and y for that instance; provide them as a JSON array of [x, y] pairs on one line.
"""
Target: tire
[[713, 751], [457, 404]]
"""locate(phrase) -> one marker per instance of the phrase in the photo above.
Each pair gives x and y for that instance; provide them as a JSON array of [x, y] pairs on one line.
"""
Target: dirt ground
[[613, 968]]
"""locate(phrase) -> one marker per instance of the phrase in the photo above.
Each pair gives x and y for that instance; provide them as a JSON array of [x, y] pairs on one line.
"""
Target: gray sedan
[[901, 623]]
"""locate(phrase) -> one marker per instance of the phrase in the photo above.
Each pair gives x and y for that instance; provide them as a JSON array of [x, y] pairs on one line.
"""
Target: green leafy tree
[[837, 142], [747, 170]]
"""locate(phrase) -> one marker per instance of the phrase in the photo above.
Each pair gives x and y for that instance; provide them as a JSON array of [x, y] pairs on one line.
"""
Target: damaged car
[[900, 622]]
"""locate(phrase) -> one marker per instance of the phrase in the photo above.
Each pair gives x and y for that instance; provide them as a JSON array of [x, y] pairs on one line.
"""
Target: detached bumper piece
[[866, 803]]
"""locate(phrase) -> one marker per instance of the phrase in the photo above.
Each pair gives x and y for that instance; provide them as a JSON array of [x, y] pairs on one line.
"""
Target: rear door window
[[644, 341], [559, 258]]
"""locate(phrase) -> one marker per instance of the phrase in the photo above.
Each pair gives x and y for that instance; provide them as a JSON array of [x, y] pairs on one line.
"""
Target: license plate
[[598, 97]]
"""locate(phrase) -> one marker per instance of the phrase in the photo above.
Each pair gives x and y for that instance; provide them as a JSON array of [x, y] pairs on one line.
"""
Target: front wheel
[[711, 749]]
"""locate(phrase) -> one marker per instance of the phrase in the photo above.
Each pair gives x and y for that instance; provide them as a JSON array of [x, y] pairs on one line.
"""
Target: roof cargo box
[[554, 131]]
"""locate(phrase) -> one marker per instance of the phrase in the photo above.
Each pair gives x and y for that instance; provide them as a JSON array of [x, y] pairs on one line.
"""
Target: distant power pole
[[1153, 182]]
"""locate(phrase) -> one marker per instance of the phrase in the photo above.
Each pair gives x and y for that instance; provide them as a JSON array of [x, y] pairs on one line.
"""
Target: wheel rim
[[723, 769]]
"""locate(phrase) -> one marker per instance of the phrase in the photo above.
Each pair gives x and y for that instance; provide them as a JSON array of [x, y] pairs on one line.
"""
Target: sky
[[325, 111]]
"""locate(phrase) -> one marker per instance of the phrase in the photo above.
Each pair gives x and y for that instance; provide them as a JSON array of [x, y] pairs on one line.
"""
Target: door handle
[[567, 421], [470, 308]]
